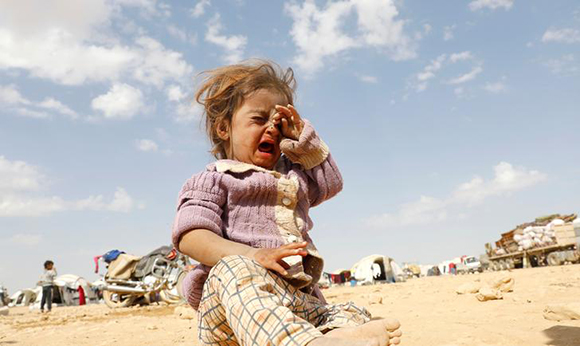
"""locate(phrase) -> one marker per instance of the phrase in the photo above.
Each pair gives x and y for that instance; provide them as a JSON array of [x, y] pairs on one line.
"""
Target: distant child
[[245, 218], [47, 283]]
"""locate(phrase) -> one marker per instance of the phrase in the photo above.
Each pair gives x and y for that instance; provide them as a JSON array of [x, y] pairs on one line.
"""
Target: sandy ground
[[430, 311]]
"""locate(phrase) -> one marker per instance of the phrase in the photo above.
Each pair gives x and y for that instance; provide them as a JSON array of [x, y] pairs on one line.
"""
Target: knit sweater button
[[286, 201]]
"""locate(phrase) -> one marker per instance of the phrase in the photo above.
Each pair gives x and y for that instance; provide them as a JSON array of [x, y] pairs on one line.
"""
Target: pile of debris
[[538, 233]]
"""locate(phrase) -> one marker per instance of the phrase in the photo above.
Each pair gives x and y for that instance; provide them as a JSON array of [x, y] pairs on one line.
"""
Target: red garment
[[96, 259], [82, 300]]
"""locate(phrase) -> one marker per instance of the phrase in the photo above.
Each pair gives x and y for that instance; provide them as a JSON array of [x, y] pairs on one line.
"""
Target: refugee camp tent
[[68, 290], [373, 268], [398, 272], [23, 297]]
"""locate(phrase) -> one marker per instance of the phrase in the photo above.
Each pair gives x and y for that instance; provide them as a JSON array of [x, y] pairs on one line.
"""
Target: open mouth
[[267, 146]]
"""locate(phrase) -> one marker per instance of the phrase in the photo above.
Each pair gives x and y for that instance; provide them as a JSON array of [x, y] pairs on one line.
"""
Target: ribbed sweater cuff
[[309, 150]]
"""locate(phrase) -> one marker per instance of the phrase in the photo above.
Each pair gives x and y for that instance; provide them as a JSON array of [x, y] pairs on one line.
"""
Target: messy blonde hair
[[224, 89]]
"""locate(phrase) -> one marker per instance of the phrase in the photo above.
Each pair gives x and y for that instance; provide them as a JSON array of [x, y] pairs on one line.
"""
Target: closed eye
[[260, 120]]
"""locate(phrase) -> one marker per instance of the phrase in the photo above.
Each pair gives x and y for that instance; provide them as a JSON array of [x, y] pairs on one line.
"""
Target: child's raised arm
[[302, 145]]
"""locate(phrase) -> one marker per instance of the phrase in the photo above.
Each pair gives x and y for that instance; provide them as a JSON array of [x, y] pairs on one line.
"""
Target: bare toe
[[394, 341], [397, 333], [392, 325]]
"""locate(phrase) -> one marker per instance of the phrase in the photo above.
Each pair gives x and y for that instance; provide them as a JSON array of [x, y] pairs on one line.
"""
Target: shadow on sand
[[563, 336]]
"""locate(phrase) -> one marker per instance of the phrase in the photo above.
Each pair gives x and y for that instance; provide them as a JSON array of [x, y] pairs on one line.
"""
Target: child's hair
[[224, 90], [48, 263]]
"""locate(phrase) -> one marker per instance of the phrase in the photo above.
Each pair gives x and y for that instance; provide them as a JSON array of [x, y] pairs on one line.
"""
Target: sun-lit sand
[[430, 311]]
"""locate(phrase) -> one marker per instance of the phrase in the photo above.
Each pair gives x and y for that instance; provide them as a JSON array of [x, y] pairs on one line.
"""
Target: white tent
[[66, 291], [23, 297], [374, 268]]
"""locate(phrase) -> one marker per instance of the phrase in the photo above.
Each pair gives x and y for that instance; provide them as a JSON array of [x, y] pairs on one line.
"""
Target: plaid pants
[[245, 304]]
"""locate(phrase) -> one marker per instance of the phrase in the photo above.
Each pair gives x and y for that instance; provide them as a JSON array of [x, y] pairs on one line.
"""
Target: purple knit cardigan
[[261, 208]]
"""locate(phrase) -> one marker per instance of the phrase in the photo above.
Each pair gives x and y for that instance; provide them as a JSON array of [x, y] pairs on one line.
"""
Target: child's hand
[[289, 120], [273, 258]]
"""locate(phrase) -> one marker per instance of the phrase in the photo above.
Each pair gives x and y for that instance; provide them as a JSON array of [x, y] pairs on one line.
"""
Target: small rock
[[470, 287], [487, 293], [562, 312], [152, 327], [375, 299], [503, 284], [4, 311]]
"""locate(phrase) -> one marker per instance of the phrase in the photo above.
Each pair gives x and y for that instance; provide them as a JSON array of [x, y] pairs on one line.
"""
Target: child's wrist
[[251, 253]]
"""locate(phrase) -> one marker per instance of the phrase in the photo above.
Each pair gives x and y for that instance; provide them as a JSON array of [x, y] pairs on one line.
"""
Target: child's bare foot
[[385, 332], [328, 341]]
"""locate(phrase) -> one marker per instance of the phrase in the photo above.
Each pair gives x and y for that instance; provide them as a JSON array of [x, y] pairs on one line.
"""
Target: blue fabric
[[112, 255]]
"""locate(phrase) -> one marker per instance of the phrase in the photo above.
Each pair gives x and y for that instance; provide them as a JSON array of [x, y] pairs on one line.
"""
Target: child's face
[[252, 138], [49, 266]]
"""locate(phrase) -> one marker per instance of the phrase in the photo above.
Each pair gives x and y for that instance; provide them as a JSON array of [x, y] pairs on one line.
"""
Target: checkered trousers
[[245, 304]]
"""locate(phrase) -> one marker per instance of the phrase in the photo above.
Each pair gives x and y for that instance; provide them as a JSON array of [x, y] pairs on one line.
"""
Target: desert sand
[[430, 311]]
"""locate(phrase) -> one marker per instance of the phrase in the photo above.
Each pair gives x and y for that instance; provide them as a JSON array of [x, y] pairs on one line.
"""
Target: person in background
[[47, 282]]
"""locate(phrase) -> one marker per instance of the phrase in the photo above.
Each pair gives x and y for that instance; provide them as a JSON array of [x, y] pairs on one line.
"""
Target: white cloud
[[455, 57], [19, 176], [146, 145], [507, 180], [29, 113], [177, 32], [199, 9], [368, 79], [11, 98], [52, 104], [158, 64], [121, 102], [567, 35], [495, 88], [22, 189], [491, 4], [420, 81], [429, 72], [427, 28], [318, 33], [10, 95], [175, 93], [467, 77], [233, 45], [425, 210], [26, 239], [565, 65], [122, 202], [188, 112], [69, 42], [448, 32]]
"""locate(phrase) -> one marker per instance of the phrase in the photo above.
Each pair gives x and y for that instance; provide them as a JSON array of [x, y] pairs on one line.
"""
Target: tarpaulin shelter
[[66, 291], [374, 268], [23, 297]]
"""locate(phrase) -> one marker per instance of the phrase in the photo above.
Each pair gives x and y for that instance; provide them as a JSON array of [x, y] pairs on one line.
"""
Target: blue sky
[[452, 121]]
